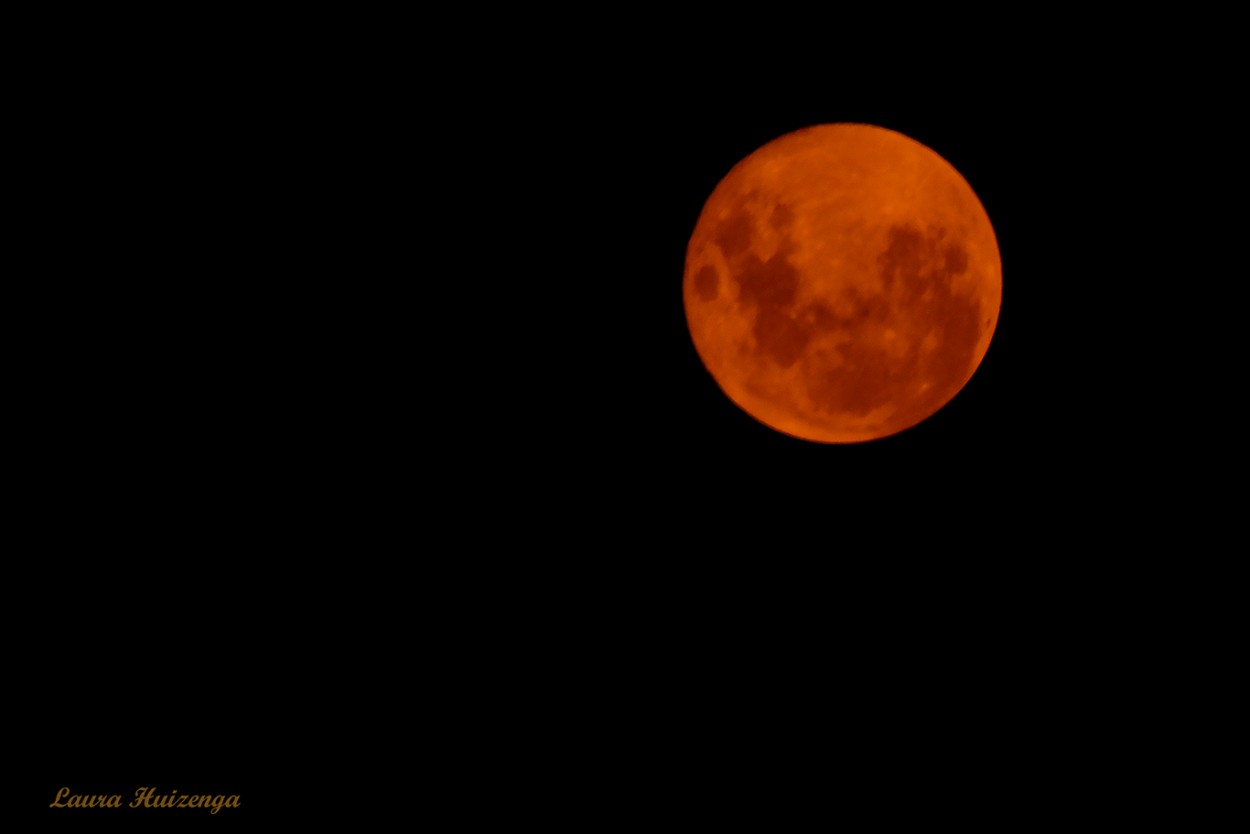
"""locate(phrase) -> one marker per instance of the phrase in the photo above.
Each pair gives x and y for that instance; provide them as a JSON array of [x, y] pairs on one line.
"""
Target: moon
[[842, 283]]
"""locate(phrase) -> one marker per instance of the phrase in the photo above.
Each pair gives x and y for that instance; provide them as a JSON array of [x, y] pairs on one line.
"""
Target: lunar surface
[[842, 283]]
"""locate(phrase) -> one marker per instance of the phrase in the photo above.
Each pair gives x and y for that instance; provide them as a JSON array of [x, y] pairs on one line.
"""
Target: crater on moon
[[707, 284]]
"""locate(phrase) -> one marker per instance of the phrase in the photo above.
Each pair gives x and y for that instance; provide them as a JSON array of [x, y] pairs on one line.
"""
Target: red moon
[[842, 283]]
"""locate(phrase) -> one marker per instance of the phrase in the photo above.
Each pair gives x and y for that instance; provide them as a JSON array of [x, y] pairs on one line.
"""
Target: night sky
[[341, 362]]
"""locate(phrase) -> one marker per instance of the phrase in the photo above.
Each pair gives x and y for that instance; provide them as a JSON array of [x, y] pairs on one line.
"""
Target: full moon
[[842, 283]]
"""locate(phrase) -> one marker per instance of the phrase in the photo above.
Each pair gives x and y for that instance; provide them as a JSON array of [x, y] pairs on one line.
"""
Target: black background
[[370, 455]]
